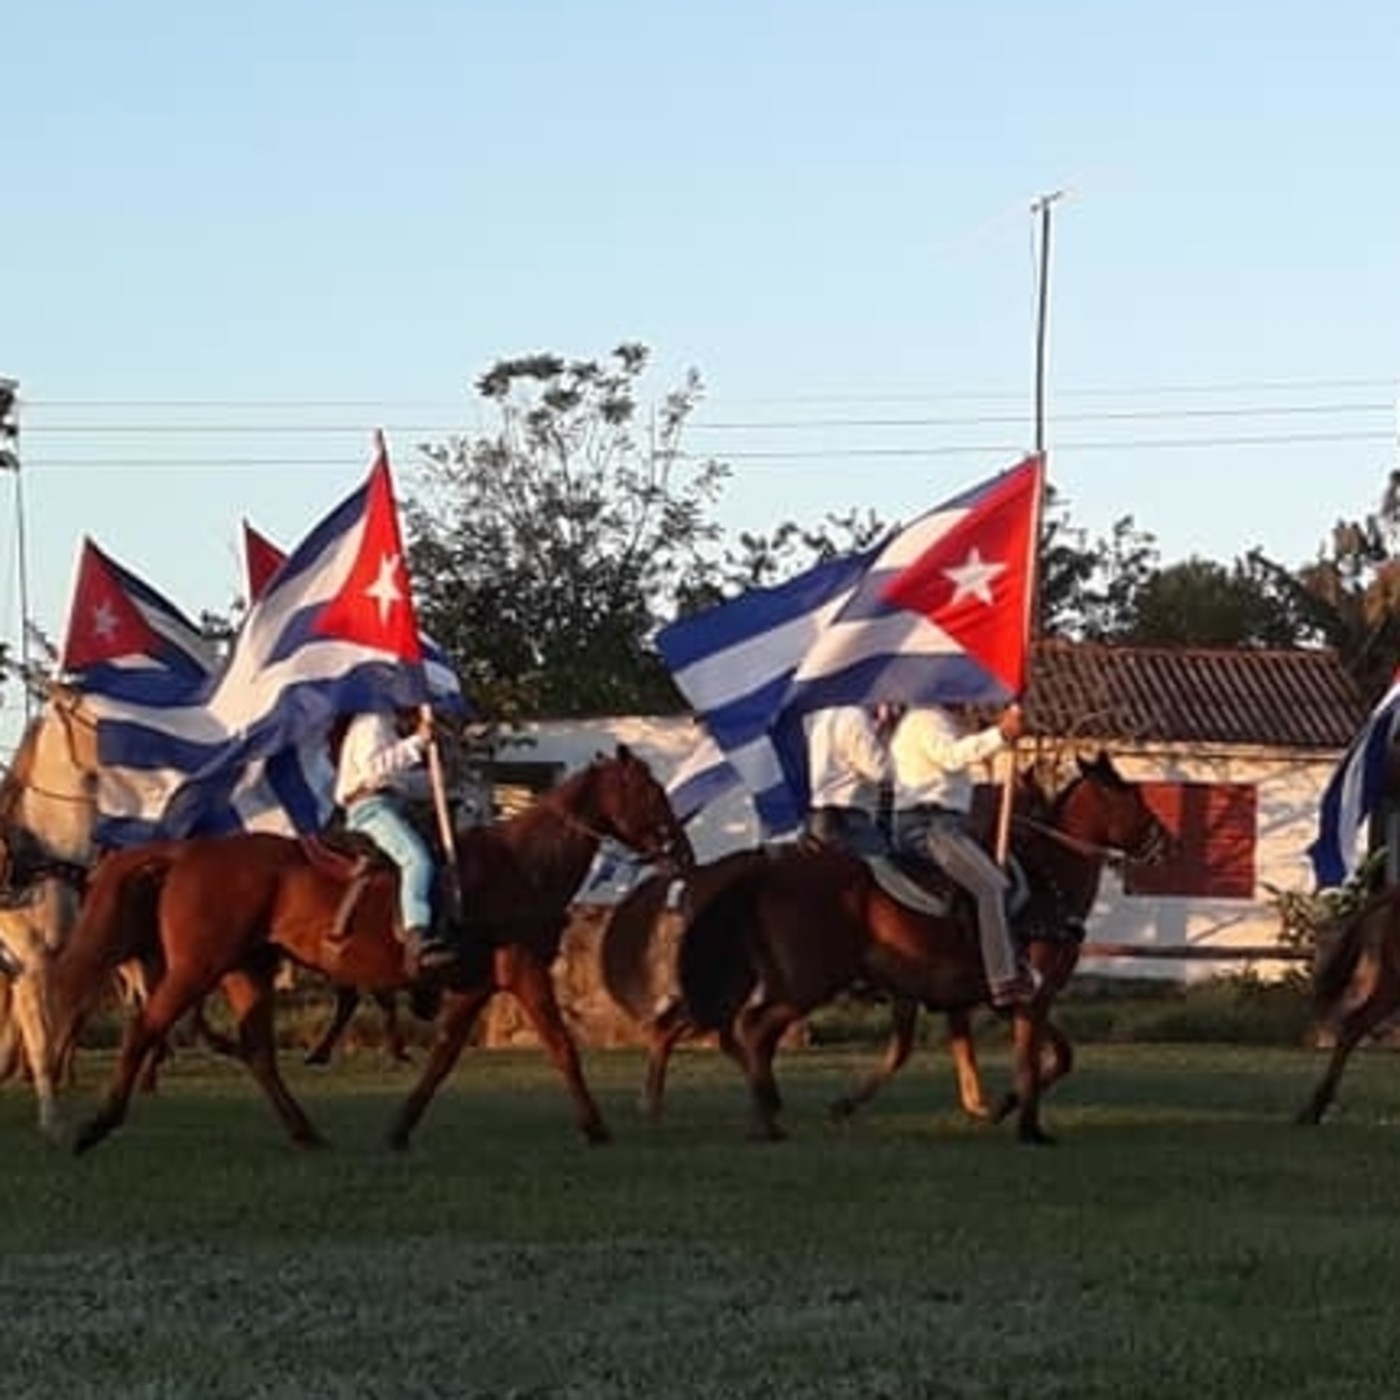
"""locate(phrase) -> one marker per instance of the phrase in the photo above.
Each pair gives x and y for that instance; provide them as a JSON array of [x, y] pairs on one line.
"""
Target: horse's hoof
[[396, 1142], [87, 1137], [316, 1058], [980, 1113], [842, 1111], [1307, 1117], [597, 1135], [1035, 1137], [1005, 1108], [767, 1132]]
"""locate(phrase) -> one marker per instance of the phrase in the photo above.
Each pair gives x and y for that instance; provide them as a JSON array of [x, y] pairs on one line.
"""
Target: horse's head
[[1104, 808], [632, 807], [50, 790]]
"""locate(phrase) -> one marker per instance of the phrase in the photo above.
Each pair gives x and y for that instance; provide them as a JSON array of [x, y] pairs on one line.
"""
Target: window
[[1215, 828]]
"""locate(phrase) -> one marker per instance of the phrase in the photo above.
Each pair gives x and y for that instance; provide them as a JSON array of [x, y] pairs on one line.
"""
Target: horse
[[223, 911], [795, 930], [1356, 987], [637, 960], [47, 808]]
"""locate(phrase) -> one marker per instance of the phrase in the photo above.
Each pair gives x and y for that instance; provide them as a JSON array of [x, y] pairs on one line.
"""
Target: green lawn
[[1182, 1240]]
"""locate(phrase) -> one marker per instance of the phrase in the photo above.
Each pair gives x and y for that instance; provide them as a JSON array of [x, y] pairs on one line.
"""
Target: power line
[[1002, 395], [166, 429], [187, 464]]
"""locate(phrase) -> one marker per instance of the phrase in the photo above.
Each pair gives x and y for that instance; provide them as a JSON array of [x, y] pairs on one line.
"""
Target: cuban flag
[[938, 612], [262, 559], [334, 631], [125, 638], [1354, 792]]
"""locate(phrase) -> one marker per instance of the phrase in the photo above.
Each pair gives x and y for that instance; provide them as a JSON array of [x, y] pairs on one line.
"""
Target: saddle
[[351, 858]]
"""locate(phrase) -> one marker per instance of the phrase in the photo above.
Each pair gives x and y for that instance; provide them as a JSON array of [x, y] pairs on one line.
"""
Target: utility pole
[[1042, 208], [10, 462]]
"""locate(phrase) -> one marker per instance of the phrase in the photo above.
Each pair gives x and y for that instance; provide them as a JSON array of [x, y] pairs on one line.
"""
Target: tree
[[548, 550], [1086, 589], [1350, 594], [1200, 603]]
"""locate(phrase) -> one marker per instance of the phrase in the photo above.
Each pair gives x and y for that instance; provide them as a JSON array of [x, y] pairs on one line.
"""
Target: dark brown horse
[[796, 930], [223, 911], [1356, 987], [641, 940]]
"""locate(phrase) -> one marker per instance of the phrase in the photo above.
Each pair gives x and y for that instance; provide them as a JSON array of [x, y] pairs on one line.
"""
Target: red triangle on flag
[[104, 623], [975, 581], [261, 559], [374, 607]]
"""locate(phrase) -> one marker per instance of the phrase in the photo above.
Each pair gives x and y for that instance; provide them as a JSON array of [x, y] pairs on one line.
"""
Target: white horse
[[48, 804]]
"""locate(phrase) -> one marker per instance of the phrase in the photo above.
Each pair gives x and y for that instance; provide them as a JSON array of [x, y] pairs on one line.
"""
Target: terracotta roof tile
[[1283, 699]]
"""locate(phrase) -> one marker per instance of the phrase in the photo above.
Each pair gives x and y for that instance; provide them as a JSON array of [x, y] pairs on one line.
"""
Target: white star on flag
[[104, 621], [973, 577], [385, 589]]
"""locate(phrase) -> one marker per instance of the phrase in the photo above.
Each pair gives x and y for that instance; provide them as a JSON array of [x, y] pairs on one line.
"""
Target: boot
[[425, 951]]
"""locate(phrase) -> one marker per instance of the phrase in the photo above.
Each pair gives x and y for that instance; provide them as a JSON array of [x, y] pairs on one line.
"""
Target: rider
[[932, 753], [372, 773], [849, 761]]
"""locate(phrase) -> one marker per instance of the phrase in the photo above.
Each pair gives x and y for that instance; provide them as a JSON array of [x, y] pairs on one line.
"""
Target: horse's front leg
[[904, 1018], [963, 1049], [459, 1012], [662, 1037], [1355, 1026], [758, 1030], [1027, 1025], [529, 980], [30, 1008]]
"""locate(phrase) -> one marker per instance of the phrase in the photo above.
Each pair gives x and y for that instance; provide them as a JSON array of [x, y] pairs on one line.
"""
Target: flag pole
[[452, 878], [447, 835], [1040, 207]]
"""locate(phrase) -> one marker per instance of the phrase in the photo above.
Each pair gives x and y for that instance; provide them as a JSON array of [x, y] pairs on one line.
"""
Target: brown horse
[[798, 929], [222, 911], [641, 941], [1356, 987]]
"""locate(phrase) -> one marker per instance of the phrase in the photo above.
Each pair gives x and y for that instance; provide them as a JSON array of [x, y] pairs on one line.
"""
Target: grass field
[[1182, 1240]]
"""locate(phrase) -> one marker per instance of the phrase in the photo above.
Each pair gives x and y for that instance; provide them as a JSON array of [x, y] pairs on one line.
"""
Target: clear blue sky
[[215, 214]]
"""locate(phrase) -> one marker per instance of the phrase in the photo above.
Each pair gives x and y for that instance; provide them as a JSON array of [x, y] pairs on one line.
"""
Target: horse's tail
[[625, 951], [715, 966], [1337, 962], [116, 924]]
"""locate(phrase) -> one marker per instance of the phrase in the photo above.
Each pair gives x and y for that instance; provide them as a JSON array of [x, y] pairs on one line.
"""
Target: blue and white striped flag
[[704, 776], [937, 612], [1353, 793], [247, 748]]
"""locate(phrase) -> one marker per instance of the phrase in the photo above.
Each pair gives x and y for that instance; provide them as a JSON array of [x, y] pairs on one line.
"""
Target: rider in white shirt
[[933, 755], [374, 774], [849, 762]]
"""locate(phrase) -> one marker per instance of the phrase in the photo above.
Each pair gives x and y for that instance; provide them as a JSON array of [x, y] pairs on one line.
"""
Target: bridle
[[1094, 850]]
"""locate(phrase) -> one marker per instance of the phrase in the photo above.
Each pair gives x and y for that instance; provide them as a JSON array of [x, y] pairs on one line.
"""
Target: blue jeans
[[380, 819], [851, 828]]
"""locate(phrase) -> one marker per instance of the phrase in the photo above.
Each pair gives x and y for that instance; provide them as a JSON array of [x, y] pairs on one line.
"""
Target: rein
[[1077, 844]]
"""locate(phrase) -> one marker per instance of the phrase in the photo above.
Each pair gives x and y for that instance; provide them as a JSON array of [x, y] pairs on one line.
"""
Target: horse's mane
[[19, 772]]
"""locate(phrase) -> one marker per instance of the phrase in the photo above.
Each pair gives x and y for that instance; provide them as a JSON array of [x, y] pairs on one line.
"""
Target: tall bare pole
[[9, 461], [1042, 207]]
